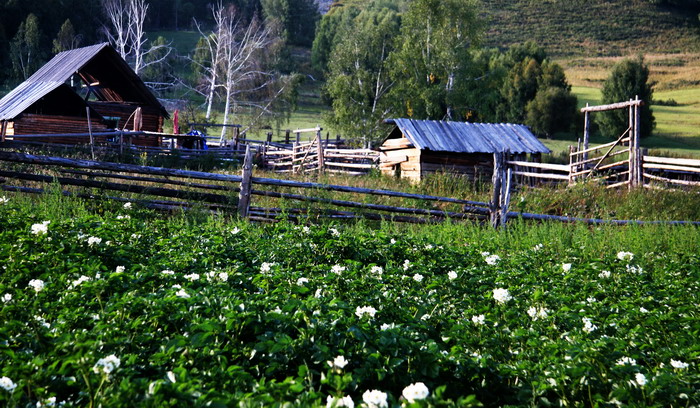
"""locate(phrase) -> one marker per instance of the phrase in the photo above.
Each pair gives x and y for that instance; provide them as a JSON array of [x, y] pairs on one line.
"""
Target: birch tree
[[210, 50], [127, 34]]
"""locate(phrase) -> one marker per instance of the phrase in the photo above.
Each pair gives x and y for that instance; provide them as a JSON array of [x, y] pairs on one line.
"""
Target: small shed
[[56, 99], [415, 148]]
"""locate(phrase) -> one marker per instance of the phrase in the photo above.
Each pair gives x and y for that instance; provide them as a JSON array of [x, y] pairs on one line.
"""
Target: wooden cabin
[[415, 148], [91, 81]]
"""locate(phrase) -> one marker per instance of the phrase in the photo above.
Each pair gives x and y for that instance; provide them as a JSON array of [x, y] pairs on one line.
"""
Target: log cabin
[[415, 148], [92, 82]]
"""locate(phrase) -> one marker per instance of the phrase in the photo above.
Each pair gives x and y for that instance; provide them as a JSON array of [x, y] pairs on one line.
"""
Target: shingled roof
[[109, 76], [463, 137]]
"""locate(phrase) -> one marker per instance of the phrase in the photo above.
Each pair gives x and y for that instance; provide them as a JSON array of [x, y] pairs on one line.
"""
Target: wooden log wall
[[152, 121], [29, 124]]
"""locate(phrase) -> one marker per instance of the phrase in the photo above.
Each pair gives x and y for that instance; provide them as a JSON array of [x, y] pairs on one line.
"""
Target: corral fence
[[622, 162], [172, 189], [298, 156]]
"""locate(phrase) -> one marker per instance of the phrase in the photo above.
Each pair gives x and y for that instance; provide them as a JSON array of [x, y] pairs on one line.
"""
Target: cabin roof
[[464, 137], [109, 77]]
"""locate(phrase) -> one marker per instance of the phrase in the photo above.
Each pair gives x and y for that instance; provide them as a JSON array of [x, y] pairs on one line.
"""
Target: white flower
[[604, 275], [552, 382], [588, 325], [334, 232], [119, 269], [338, 362], [679, 364], [337, 269], [428, 247], [418, 277], [4, 200], [478, 319], [41, 228], [643, 310], [406, 264], [537, 247], [375, 399], [387, 326], [7, 384], [94, 241], [414, 392], [634, 269], [492, 259], [171, 376], [6, 297], [223, 276], [265, 267], [591, 300], [625, 256], [192, 277], [377, 269], [365, 310], [640, 379], [501, 295], [106, 365], [626, 361], [536, 313], [339, 402], [392, 241], [302, 281], [167, 272], [235, 231], [37, 285], [127, 206], [50, 402], [79, 281], [182, 294], [452, 275], [566, 267], [123, 217]]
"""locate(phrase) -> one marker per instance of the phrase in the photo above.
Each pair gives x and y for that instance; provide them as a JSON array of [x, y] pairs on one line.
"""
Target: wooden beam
[[612, 106]]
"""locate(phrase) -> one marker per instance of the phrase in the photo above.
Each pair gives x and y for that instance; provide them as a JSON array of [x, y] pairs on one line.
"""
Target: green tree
[[552, 110], [296, 17], [25, 49], [358, 81], [66, 39], [327, 36], [432, 63], [628, 79]]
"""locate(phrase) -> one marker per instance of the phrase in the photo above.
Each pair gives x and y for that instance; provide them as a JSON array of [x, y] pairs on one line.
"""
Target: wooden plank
[[244, 194], [618, 105], [546, 166], [316, 129], [669, 160], [551, 176], [671, 167], [672, 181], [351, 165], [600, 147]]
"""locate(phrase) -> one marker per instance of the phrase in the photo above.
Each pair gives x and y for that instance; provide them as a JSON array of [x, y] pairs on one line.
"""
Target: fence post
[[3, 131], [505, 197], [586, 133], [286, 136], [92, 139], [298, 136], [637, 139], [236, 136], [321, 155], [494, 205], [571, 165], [244, 195]]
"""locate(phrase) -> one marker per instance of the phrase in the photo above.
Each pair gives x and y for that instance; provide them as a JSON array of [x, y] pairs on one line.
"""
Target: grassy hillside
[[590, 27]]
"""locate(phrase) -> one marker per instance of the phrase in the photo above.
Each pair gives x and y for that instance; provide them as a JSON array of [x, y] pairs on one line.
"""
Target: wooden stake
[[586, 132], [92, 139], [505, 198], [321, 158], [244, 195], [494, 207]]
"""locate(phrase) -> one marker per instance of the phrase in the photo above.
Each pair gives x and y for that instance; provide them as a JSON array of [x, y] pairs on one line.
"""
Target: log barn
[[92, 82], [415, 148]]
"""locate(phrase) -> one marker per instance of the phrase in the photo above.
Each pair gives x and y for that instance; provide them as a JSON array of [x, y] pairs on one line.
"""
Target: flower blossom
[[7, 384], [626, 361], [334, 232], [640, 379], [414, 392], [106, 365], [41, 228], [501, 295], [679, 364], [127, 205], [192, 277], [625, 256], [604, 275], [79, 281], [566, 267], [302, 281], [480, 319], [536, 313], [365, 310], [338, 362], [339, 402], [167, 272], [452, 275], [37, 285], [4, 200], [337, 269], [266, 267], [6, 297], [588, 325], [375, 399], [418, 277], [377, 269], [182, 294], [119, 269], [406, 264], [94, 241], [492, 259]]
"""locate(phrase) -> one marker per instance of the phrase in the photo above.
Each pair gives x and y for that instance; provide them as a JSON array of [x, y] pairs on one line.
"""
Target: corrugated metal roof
[[463, 137], [60, 69]]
